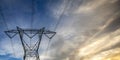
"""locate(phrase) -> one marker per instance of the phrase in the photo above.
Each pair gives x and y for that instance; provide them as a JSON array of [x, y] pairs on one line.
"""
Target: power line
[[32, 18], [5, 23], [58, 22], [62, 14], [33, 12], [3, 17]]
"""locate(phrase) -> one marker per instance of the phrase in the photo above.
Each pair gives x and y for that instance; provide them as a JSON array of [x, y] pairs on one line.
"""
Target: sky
[[88, 29]]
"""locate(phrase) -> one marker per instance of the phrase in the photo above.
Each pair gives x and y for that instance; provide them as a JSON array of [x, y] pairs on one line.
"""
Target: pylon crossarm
[[49, 34], [11, 34], [31, 33]]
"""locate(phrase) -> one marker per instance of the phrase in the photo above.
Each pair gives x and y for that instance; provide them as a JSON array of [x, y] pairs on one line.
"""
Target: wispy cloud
[[85, 26]]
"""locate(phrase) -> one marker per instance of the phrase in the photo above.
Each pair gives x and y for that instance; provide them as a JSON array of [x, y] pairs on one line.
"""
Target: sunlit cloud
[[85, 32]]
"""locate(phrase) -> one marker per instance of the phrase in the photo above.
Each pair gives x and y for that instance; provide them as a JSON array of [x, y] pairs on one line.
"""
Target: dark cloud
[[113, 26]]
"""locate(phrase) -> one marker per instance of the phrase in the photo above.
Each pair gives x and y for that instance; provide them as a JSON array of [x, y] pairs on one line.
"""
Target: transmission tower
[[30, 51]]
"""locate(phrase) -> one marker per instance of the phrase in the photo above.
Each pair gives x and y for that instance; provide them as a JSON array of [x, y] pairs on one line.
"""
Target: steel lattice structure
[[30, 52]]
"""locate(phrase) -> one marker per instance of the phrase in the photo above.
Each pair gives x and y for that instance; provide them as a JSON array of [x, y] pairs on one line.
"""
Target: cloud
[[7, 48], [105, 54], [85, 26]]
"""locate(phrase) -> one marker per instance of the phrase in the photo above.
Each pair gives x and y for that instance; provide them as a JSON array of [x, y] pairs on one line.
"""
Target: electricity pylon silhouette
[[30, 52]]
